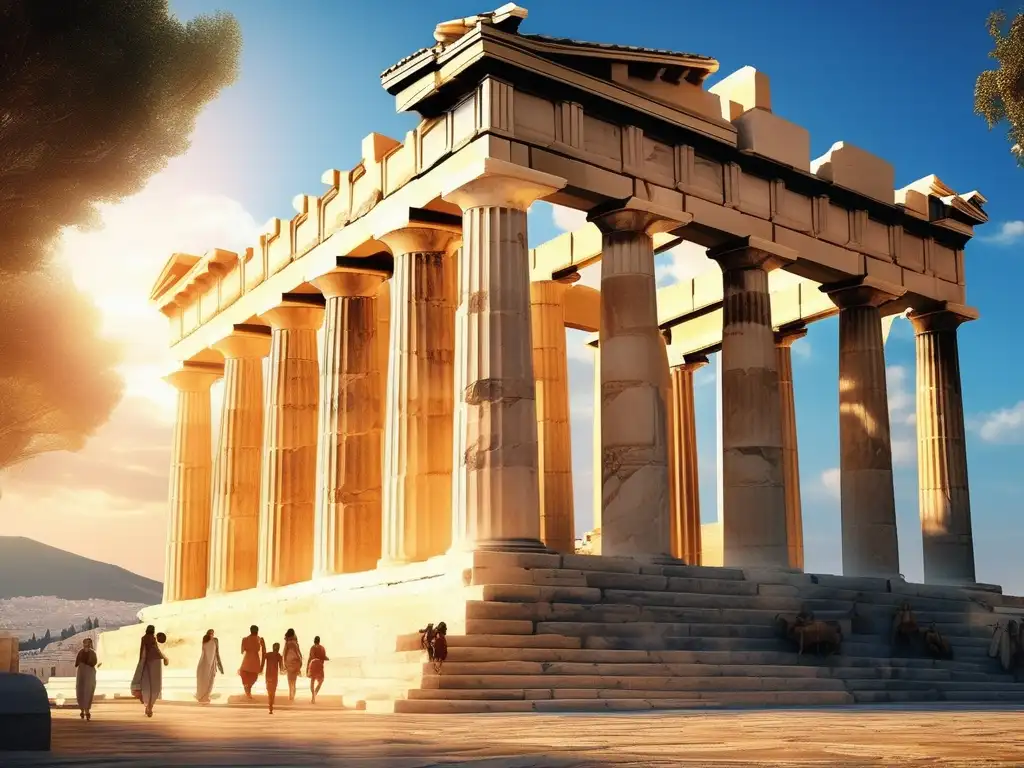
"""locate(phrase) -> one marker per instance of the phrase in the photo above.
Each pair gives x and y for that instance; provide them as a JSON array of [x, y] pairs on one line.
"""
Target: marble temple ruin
[[394, 444]]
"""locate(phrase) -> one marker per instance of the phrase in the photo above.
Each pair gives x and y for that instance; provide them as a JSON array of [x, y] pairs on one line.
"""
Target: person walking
[[85, 678], [272, 664], [253, 651], [315, 667], [292, 661], [209, 666]]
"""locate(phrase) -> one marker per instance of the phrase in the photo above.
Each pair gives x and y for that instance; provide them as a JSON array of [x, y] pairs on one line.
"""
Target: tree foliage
[[999, 93], [95, 98]]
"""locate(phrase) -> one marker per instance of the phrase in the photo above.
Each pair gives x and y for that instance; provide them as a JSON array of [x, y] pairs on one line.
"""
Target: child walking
[[272, 664]]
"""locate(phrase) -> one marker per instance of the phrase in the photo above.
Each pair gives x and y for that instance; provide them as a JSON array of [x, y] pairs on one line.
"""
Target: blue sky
[[894, 78]]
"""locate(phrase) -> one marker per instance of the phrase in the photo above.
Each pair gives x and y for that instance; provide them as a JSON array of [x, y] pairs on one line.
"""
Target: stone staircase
[[579, 633]]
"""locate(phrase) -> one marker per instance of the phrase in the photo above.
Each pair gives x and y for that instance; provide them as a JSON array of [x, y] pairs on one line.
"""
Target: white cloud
[[567, 219], [803, 349], [1010, 232], [902, 416], [684, 262], [829, 480], [1003, 426], [590, 276]]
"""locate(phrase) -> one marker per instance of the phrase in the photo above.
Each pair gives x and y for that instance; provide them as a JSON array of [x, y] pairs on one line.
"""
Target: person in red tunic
[[272, 664], [315, 667]]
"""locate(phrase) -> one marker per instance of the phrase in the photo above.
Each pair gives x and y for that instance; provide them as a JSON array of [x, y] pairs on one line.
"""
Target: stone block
[[778, 590], [712, 586], [8, 652], [856, 169], [516, 560], [597, 563], [498, 627], [530, 576], [24, 714], [647, 583], [764, 133], [743, 90], [535, 593]]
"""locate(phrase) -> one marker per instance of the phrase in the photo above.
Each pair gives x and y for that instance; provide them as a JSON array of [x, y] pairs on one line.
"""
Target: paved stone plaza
[[119, 735]]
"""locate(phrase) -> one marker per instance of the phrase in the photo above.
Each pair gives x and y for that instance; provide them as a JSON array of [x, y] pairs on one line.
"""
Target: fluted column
[[683, 467], [288, 478], [753, 481], [235, 536], [550, 369], [868, 501], [347, 528], [597, 481], [498, 506], [420, 402], [188, 519], [944, 493], [635, 518], [790, 455]]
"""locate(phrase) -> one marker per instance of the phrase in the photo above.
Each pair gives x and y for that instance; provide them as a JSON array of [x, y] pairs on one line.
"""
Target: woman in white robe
[[147, 685], [85, 678], [209, 666]]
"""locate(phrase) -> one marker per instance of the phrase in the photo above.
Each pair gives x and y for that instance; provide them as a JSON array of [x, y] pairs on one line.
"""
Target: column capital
[[244, 341], [693, 362], [636, 215], [785, 335], [862, 292], [489, 181], [297, 311], [194, 377], [946, 316], [350, 282], [419, 230], [751, 253]]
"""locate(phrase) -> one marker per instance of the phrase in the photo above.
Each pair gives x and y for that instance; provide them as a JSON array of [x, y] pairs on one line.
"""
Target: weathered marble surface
[[119, 735]]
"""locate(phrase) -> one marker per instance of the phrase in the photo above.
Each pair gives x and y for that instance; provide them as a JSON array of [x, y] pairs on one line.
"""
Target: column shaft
[[550, 369], [790, 453], [418, 439], [234, 547], [944, 493], [188, 523], [348, 519], [683, 467], [753, 483], [597, 480], [498, 440], [290, 446], [870, 546], [635, 518]]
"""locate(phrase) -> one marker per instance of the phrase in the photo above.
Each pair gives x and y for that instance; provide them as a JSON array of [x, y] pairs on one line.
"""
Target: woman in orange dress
[[272, 664], [315, 667], [292, 661]]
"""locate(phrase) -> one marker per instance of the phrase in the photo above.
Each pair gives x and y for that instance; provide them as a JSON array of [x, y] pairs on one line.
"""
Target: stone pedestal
[[498, 506], [188, 522], [347, 529], [550, 369], [635, 519], [683, 467], [784, 339], [420, 401], [945, 501], [870, 546], [234, 545], [753, 479], [290, 443]]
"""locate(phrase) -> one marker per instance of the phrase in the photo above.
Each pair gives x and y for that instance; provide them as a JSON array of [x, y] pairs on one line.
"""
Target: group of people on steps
[[147, 683]]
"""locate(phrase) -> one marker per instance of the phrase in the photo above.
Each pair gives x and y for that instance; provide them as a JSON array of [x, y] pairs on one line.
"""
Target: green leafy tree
[[999, 92], [95, 98]]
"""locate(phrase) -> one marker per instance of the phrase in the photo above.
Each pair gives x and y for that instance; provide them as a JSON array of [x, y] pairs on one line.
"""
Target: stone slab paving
[[120, 736]]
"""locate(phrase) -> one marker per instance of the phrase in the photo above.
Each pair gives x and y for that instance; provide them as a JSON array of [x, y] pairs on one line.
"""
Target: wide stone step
[[411, 642], [706, 600], [460, 653], [924, 685], [626, 681], [978, 696], [653, 629], [606, 702], [641, 669]]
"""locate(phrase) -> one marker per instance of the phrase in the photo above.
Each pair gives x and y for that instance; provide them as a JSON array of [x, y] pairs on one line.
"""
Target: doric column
[[868, 500], [945, 501], [288, 478], [635, 519], [596, 480], [784, 339], [420, 392], [188, 520], [753, 481], [683, 468], [498, 506], [347, 528], [235, 536], [554, 452]]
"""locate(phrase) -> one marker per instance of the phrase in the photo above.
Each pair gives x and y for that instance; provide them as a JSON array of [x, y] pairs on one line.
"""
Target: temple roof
[[692, 67]]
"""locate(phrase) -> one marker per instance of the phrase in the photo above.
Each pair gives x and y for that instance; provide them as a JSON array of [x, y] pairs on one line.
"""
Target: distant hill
[[31, 569]]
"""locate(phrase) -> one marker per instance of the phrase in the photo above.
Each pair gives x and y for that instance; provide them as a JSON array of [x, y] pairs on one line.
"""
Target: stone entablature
[[749, 177]]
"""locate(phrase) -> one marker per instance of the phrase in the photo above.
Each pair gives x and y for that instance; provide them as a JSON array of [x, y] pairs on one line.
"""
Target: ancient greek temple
[[395, 408]]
